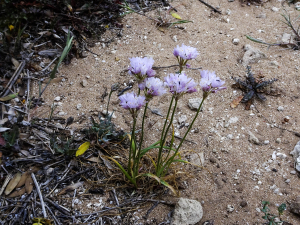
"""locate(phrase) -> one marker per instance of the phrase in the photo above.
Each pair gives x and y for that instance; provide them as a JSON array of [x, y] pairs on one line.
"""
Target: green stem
[[132, 154], [168, 163], [162, 133], [159, 164], [141, 142]]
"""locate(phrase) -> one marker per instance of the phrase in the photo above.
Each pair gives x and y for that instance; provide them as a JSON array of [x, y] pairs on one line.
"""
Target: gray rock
[[274, 63], [197, 159], [231, 0], [194, 103], [84, 83], [187, 212], [253, 138], [252, 55], [296, 155], [262, 16], [295, 206]]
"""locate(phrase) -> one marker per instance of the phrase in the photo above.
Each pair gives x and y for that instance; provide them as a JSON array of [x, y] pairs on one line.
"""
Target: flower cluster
[[141, 68], [180, 84], [152, 87], [210, 83], [185, 52], [131, 101]]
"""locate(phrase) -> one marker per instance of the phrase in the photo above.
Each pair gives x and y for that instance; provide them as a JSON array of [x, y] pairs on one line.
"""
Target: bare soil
[[241, 171]]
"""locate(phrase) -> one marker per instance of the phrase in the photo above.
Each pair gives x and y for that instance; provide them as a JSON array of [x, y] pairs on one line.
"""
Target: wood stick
[[40, 195]]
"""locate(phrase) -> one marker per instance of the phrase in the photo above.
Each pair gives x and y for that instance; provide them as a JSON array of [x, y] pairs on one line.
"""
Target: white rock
[[84, 83], [253, 138], [266, 142], [61, 113], [274, 9], [187, 212], [57, 98], [182, 119], [78, 106], [235, 41], [293, 172], [233, 119], [174, 38], [280, 108], [194, 103], [281, 155], [297, 5], [286, 38], [230, 208]]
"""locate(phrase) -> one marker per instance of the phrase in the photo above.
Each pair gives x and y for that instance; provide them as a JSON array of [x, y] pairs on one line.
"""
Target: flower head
[[185, 52], [131, 101], [141, 68], [153, 87], [210, 82], [180, 84]]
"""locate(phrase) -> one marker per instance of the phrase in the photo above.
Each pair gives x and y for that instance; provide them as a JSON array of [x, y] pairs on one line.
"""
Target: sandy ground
[[242, 171]]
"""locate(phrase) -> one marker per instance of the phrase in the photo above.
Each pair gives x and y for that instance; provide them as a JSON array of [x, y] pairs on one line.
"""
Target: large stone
[[296, 155], [187, 212], [252, 55]]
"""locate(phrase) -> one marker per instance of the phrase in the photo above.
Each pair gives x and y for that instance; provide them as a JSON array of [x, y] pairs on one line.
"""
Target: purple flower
[[153, 87], [131, 101], [210, 82], [180, 84], [141, 67], [185, 52]]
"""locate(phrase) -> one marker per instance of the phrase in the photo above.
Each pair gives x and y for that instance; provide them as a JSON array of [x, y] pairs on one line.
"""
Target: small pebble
[[287, 181], [293, 172], [280, 108], [278, 140], [57, 98], [235, 41], [243, 204], [230, 208], [274, 9]]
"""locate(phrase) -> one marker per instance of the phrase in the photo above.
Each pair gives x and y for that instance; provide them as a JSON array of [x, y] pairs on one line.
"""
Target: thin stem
[[111, 91], [168, 163], [162, 133], [164, 139], [132, 154], [141, 141]]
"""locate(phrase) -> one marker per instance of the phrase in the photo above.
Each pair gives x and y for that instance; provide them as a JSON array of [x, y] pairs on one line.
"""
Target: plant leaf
[[161, 182], [9, 97], [82, 148], [175, 15], [236, 101], [123, 170], [70, 188], [281, 208], [13, 183]]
